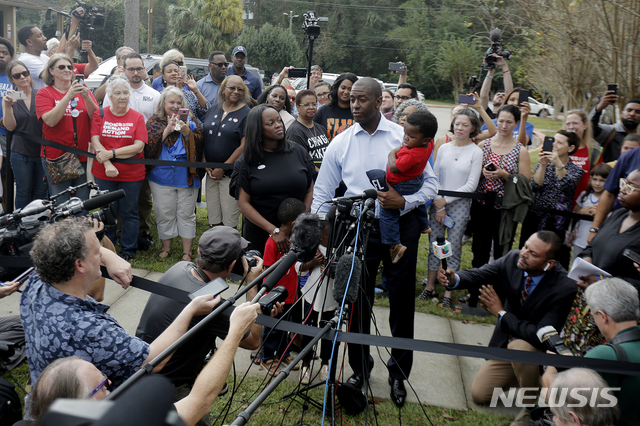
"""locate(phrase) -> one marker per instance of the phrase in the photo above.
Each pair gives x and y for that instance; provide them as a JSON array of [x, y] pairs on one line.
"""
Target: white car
[[540, 109]]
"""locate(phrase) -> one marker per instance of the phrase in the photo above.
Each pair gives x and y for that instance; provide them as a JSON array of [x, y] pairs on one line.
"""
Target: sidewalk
[[439, 380]]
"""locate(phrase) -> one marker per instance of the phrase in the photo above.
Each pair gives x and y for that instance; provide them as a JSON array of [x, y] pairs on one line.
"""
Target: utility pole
[[150, 27], [291, 16]]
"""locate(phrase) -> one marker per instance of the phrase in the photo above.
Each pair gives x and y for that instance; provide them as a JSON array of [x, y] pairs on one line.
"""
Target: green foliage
[[270, 47], [197, 27], [456, 61]]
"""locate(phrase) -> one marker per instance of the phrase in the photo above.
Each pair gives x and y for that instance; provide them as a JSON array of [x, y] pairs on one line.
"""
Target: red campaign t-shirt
[[46, 99], [581, 159], [411, 163], [79, 69], [289, 281], [116, 132]]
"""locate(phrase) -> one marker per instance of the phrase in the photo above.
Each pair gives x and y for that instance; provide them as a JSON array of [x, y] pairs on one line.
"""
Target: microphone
[[75, 206], [342, 284], [495, 35], [442, 250], [279, 294], [549, 336], [368, 193]]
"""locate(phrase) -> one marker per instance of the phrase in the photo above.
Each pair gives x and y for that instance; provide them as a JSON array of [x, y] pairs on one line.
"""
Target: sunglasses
[[219, 64], [235, 89], [62, 67], [19, 74]]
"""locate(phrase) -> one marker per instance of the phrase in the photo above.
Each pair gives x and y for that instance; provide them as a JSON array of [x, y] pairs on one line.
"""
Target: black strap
[[616, 342], [202, 274], [621, 354]]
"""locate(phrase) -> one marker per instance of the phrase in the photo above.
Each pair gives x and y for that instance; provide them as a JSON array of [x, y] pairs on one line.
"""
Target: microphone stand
[[244, 416], [148, 368]]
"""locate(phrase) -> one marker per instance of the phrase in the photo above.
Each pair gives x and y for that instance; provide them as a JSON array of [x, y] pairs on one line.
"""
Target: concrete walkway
[[439, 380]]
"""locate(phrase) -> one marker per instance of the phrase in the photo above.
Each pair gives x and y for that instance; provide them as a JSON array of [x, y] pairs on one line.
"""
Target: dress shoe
[[398, 392], [357, 380]]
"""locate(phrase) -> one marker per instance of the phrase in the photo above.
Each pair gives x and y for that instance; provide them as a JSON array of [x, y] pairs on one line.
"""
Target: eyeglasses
[[235, 89], [311, 105], [404, 98], [626, 187], [139, 69], [219, 64], [62, 67], [99, 387], [180, 63], [322, 95], [18, 74]]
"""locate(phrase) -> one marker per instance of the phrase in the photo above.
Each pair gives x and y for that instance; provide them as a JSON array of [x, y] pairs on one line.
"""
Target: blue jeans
[[389, 228], [274, 342], [83, 193], [128, 209], [28, 174]]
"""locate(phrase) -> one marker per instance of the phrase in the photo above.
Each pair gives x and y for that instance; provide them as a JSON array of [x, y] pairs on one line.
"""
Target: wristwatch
[[275, 231], [594, 230], [501, 313]]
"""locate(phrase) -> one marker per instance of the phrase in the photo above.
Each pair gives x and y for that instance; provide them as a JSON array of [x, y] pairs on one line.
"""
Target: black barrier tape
[[455, 349], [145, 161]]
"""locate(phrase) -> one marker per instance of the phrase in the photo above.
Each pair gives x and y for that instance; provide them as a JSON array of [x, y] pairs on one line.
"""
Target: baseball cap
[[239, 49], [221, 244]]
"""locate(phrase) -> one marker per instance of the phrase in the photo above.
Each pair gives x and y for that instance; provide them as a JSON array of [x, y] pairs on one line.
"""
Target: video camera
[[497, 48], [310, 24], [18, 229]]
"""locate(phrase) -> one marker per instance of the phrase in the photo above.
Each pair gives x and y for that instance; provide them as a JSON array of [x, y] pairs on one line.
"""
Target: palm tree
[[198, 27]]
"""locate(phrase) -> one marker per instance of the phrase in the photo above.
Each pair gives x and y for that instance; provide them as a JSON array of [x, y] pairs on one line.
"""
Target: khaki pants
[[504, 374]]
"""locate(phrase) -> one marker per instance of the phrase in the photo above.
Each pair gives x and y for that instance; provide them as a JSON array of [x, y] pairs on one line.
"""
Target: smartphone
[[490, 167], [184, 114], [448, 222], [612, 87], [466, 99], [16, 96], [183, 72], [214, 288], [635, 257], [297, 72], [80, 78], [548, 143], [396, 66], [523, 96]]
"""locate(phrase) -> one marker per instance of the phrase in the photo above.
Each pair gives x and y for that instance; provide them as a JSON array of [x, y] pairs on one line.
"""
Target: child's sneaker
[[396, 252], [305, 376], [426, 230], [324, 372]]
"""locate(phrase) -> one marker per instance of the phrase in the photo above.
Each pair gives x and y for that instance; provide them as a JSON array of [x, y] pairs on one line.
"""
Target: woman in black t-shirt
[[336, 116], [224, 127], [270, 170]]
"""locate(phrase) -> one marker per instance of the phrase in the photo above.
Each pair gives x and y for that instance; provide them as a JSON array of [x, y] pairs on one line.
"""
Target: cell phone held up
[[523, 96], [184, 114], [297, 72], [467, 99], [16, 96], [547, 145], [612, 87], [213, 288], [397, 66]]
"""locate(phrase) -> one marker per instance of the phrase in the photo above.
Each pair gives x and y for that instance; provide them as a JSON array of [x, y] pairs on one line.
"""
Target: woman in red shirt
[[119, 133], [57, 105]]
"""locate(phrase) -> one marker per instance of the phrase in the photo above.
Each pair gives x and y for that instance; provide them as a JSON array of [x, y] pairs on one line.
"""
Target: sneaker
[[324, 372], [396, 252], [126, 256], [305, 376], [145, 242], [288, 360], [426, 231], [271, 366]]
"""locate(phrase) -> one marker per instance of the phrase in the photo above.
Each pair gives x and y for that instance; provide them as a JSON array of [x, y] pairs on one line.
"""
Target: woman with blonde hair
[[578, 121]]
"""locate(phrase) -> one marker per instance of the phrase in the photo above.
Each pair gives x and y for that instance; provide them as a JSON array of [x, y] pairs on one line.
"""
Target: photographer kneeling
[[615, 309], [61, 320]]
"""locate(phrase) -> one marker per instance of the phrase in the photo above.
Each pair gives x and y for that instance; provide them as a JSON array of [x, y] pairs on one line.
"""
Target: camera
[[549, 336], [248, 254], [94, 16], [496, 48], [310, 24]]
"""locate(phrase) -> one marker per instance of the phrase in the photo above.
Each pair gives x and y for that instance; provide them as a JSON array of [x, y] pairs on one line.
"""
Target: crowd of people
[[281, 154]]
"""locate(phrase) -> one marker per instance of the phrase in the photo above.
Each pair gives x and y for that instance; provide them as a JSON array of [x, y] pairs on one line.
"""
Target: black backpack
[[10, 408]]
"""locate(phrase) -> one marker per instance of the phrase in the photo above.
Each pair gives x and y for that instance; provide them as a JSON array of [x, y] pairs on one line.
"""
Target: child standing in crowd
[[274, 342], [319, 301], [631, 141], [587, 203], [404, 173]]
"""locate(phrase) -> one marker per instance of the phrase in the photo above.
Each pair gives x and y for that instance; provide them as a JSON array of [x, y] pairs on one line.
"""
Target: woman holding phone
[[175, 74], [502, 155], [519, 97]]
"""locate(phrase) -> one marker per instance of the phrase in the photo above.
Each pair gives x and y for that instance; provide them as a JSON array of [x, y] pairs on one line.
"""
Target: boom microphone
[[495, 35], [75, 206], [306, 235], [34, 207], [368, 193], [342, 284]]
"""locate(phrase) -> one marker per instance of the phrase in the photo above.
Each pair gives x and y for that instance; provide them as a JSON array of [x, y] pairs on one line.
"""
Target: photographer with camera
[[498, 98], [218, 251], [61, 320], [70, 41]]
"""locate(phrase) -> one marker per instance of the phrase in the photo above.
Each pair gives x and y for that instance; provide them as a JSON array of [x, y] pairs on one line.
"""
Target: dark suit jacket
[[548, 304]]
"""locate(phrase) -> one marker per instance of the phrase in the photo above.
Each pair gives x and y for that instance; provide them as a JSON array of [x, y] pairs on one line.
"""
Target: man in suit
[[530, 290]]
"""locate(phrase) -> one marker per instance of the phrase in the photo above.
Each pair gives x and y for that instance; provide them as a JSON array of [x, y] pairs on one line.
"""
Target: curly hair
[[419, 106], [57, 247]]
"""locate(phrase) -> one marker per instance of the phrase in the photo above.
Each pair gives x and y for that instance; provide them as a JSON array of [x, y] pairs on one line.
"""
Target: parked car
[[198, 68], [540, 109]]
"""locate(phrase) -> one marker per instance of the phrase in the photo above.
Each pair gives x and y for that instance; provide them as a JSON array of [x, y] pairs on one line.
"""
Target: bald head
[[369, 83]]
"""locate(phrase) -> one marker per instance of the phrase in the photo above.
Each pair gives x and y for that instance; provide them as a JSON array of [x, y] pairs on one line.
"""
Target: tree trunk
[[132, 24]]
